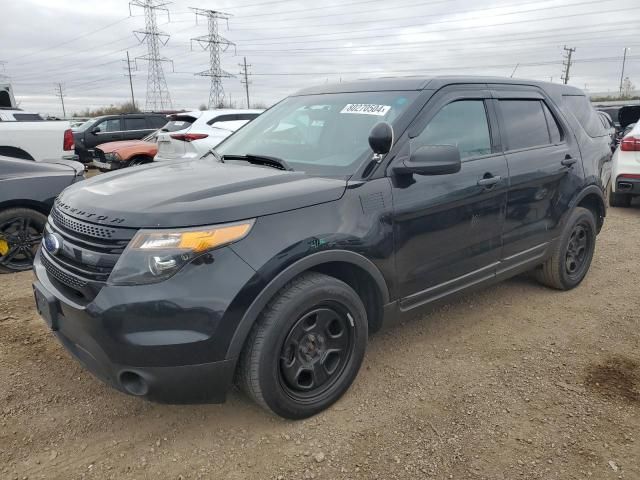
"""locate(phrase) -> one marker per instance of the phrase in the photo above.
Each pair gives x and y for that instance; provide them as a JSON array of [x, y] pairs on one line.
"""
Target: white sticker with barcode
[[366, 109]]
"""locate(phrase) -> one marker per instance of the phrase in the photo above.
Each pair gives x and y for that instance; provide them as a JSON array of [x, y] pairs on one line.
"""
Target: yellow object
[[196, 241], [4, 247]]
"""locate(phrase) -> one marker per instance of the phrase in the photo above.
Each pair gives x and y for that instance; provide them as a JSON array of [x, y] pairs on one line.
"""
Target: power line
[[215, 44], [245, 73], [61, 95], [158, 97], [567, 63]]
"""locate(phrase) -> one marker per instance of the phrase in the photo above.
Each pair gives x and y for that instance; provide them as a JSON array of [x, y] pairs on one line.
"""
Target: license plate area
[[47, 306]]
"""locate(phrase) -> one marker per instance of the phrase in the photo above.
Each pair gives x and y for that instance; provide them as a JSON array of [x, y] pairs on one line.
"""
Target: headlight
[[155, 255], [112, 157]]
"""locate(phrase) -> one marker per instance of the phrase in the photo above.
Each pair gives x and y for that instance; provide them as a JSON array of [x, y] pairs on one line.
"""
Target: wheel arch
[[592, 198], [352, 268], [41, 207]]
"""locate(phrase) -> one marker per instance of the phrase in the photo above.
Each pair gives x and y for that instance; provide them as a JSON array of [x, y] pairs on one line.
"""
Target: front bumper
[[167, 342]]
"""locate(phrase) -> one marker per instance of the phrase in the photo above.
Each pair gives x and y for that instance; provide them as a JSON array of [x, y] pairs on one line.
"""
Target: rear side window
[[554, 129], [463, 124], [525, 125], [156, 121], [586, 115], [232, 117], [135, 123], [178, 122], [27, 117]]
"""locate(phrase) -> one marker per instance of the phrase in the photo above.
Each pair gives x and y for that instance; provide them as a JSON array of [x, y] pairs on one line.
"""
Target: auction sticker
[[366, 109]]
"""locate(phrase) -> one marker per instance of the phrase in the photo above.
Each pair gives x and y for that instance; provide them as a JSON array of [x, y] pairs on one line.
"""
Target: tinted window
[[586, 115], [463, 124], [112, 125], [554, 128], [27, 117], [233, 116], [135, 123], [156, 121], [178, 122], [524, 124], [613, 113]]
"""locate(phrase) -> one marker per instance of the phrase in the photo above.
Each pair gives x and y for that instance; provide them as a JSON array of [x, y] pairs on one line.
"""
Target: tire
[[136, 161], [291, 347], [572, 254], [20, 235], [619, 199]]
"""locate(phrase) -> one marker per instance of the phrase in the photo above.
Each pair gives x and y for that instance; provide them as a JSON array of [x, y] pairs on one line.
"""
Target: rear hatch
[[169, 147], [628, 115]]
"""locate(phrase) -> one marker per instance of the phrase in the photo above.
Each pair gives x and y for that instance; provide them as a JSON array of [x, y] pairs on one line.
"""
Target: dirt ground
[[517, 381]]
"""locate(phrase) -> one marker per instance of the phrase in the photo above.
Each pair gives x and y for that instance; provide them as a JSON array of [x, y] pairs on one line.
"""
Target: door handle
[[489, 181], [568, 161]]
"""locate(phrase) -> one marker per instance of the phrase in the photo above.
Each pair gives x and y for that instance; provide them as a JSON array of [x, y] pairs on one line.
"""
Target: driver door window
[[109, 126], [461, 123]]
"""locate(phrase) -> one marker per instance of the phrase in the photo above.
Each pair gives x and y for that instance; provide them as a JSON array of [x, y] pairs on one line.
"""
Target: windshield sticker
[[178, 123], [366, 109]]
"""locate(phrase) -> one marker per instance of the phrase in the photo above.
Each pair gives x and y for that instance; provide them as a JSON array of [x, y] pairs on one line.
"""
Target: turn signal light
[[630, 144], [188, 137]]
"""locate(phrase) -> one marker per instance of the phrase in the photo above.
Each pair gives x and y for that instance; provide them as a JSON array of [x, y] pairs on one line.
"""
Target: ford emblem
[[52, 243]]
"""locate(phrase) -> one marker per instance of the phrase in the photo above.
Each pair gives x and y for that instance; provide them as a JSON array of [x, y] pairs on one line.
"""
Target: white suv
[[190, 135], [625, 173]]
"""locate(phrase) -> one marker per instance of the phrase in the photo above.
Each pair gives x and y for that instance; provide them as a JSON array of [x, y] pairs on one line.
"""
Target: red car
[[126, 153]]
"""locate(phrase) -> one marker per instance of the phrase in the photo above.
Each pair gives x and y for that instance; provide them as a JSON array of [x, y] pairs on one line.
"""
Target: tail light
[[67, 141], [634, 176], [188, 137], [630, 144]]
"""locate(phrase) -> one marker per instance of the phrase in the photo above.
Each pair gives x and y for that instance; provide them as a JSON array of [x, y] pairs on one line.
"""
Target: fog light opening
[[622, 186], [134, 383]]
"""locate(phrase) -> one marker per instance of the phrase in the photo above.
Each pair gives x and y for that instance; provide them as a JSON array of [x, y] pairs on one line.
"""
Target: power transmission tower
[[158, 97], [216, 44], [60, 94], [567, 63], [133, 98], [245, 73]]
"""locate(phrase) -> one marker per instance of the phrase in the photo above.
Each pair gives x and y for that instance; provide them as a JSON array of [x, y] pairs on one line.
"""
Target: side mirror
[[95, 130], [381, 138], [431, 160]]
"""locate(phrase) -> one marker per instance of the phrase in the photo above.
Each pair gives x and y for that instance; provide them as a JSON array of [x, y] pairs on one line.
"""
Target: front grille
[[99, 154], [88, 255]]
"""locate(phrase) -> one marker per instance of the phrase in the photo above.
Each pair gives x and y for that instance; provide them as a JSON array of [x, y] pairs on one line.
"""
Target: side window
[[462, 123], [554, 128], [156, 122], [525, 124], [586, 115], [112, 125], [135, 123]]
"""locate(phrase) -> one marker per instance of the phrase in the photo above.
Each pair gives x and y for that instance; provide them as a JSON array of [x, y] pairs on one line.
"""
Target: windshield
[[319, 134]]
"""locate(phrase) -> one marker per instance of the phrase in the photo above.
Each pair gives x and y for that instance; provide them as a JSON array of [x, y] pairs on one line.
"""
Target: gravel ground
[[516, 381]]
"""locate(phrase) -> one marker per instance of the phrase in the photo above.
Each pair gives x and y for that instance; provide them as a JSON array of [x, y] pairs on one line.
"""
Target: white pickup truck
[[28, 136]]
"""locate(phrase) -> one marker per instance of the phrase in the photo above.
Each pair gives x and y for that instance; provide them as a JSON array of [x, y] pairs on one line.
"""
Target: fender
[[302, 265], [588, 190]]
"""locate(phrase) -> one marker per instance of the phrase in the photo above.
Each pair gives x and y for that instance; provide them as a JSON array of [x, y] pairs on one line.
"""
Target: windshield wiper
[[261, 160]]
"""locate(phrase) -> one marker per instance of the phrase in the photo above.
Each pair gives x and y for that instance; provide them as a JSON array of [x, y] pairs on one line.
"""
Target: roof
[[432, 83]]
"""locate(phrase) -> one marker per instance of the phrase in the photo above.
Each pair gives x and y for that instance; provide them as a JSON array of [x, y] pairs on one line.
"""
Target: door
[[135, 127], [545, 170], [108, 130], [447, 228]]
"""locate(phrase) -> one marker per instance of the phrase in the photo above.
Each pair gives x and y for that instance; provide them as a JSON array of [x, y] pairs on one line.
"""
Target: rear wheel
[[20, 235], [572, 254], [137, 161], [307, 347], [619, 199]]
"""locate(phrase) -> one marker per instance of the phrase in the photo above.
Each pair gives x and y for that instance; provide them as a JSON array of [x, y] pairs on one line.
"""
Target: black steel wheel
[[572, 253], [306, 348], [20, 236]]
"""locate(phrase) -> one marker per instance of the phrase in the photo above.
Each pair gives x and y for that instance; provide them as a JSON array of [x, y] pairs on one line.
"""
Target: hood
[[628, 115], [113, 146], [192, 193], [18, 167]]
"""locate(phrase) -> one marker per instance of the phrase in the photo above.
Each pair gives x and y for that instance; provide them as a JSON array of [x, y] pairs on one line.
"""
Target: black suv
[[270, 261], [111, 128]]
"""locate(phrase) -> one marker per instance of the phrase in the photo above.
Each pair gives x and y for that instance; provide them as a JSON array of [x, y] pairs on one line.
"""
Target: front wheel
[[572, 253], [307, 347], [20, 235]]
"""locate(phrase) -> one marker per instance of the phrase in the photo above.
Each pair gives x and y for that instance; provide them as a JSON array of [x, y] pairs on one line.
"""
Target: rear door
[[109, 130], [135, 127], [544, 172]]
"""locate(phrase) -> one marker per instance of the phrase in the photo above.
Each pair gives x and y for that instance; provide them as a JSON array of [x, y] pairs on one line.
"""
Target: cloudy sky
[[292, 44]]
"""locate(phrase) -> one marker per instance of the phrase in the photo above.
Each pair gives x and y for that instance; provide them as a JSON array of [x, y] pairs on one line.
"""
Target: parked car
[[27, 191], [272, 259], [626, 168], [610, 128], [126, 153], [192, 134], [27, 136], [111, 128]]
